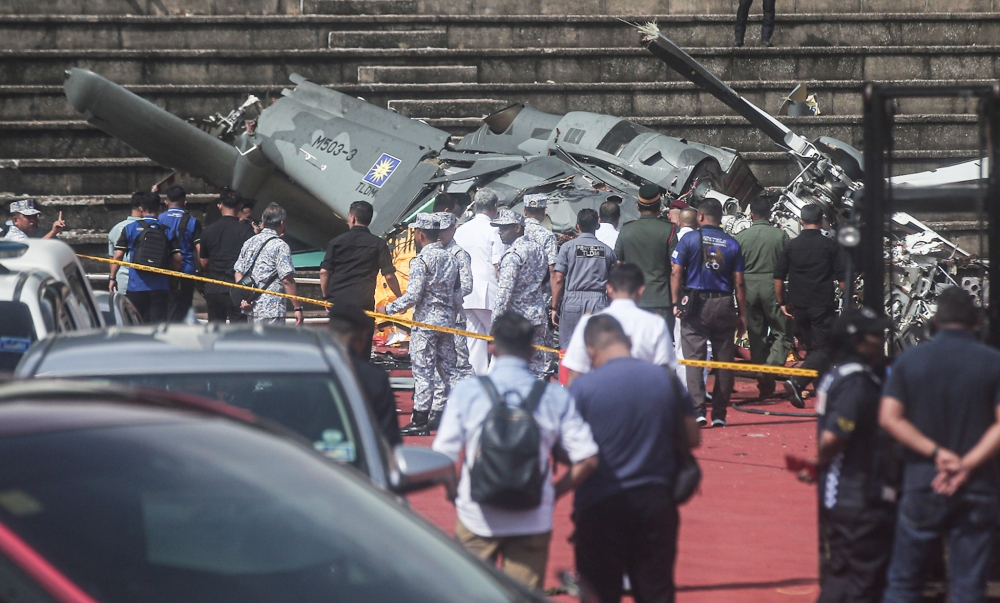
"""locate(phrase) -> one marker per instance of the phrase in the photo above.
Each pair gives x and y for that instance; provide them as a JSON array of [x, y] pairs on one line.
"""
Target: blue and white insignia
[[383, 168]]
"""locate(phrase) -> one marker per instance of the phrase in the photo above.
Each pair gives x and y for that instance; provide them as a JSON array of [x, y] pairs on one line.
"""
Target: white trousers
[[480, 321]]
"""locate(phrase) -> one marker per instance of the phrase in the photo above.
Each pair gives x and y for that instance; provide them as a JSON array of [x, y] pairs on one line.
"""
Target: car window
[[210, 511], [79, 286], [17, 332], [311, 405], [618, 137]]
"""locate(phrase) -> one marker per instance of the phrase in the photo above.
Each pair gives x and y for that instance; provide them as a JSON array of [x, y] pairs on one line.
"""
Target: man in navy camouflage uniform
[[523, 270], [432, 292], [462, 367]]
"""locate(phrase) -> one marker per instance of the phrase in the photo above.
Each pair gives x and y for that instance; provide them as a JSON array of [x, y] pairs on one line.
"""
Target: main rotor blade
[[686, 66]]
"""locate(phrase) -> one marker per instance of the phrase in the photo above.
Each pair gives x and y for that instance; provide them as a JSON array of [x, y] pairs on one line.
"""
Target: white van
[[43, 290]]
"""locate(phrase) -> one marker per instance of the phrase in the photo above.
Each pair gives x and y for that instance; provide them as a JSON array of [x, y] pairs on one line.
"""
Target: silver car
[[296, 377]]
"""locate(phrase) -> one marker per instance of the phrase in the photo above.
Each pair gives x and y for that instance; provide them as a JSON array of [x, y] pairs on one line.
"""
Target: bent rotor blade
[[685, 65]]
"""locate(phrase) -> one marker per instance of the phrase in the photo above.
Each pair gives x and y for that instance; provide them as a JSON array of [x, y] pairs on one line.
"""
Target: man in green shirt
[[762, 244], [648, 243]]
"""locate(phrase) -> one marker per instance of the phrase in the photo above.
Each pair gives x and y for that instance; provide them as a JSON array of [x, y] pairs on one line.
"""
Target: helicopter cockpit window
[[618, 137]]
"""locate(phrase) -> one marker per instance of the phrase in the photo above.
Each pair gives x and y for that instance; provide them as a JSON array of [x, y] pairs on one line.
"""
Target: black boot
[[794, 392], [434, 420], [417, 426], [738, 43]]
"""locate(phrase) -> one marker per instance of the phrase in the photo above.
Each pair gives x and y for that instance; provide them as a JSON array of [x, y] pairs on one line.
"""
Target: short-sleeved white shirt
[[485, 248], [607, 234], [558, 421], [651, 340]]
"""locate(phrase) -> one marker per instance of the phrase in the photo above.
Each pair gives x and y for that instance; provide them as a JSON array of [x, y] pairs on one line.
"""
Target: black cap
[[649, 194], [352, 315], [861, 321]]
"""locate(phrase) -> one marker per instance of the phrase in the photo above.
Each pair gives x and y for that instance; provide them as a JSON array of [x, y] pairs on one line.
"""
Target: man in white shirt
[[116, 232], [520, 537], [484, 246], [610, 214], [650, 337]]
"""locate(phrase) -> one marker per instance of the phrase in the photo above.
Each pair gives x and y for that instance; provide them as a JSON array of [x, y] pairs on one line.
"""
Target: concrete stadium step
[[478, 31], [418, 75], [459, 107], [634, 7], [644, 99], [407, 38], [149, 7], [504, 65], [77, 139], [122, 176]]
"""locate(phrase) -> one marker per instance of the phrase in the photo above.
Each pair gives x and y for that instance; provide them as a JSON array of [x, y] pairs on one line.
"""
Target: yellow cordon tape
[[732, 366]]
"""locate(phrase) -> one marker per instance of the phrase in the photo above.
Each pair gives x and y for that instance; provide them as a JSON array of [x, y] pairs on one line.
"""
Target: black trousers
[[221, 307], [152, 305], [179, 302], [766, 31], [633, 532], [855, 548], [812, 326]]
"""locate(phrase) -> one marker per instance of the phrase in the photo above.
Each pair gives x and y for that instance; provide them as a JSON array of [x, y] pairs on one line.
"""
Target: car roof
[[45, 406], [49, 255], [176, 348]]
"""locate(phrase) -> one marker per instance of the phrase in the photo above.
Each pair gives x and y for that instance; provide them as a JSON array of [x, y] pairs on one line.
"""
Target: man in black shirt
[[351, 326], [942, 403], [353, 260], [857, 480], [811, 262], [221, 242]]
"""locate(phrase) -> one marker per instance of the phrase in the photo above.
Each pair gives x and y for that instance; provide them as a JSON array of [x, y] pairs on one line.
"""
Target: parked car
[[117, 309], [297, 377], [112, 495], [42, 291], [57, 260]]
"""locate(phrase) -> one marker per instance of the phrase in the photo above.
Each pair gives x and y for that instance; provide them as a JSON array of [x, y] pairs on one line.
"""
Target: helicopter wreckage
[[316, 150]]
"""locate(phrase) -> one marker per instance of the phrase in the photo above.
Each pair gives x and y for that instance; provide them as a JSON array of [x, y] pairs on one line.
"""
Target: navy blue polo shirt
[[950, 388], [191, 237], [631, 407], [709, 261], [140, 280]]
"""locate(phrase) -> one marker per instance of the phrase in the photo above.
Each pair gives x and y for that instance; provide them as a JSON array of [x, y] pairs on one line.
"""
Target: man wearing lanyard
[[707, 269]]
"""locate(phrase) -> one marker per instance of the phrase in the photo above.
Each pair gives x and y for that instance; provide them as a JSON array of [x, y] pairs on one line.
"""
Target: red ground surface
[[748, 536]]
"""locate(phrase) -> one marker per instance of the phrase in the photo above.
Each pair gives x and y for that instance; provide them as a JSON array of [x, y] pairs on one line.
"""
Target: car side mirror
[[421, 468]]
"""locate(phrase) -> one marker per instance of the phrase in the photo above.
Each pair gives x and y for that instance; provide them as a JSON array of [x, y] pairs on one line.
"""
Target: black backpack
[[152, 247], [507, 472]]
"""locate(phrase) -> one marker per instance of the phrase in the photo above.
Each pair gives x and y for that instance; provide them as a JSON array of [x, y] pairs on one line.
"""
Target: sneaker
[[701, 421], [719, 423], [794, 395], [767, 43], [738, 43]]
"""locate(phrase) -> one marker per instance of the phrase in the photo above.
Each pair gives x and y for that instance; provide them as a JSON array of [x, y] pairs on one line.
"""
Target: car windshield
[[17, 331], [210, 511], [310, 404]]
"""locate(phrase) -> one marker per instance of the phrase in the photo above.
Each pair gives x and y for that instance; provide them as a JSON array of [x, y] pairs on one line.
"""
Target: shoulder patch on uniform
[[850, 368], [590, 251], [846, 425]]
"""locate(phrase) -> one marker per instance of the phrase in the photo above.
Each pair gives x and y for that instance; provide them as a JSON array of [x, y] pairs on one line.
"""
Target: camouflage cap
[[446, 218], [507, 217], [536, 200], [25, 207], [427, 222]]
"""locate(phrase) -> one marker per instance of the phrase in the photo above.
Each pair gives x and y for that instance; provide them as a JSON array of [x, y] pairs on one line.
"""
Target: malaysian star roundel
[[380, 171]]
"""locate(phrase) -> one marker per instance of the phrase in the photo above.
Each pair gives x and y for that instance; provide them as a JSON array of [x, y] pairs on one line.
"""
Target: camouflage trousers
[[462, 368], [432, 356], [540, 361]]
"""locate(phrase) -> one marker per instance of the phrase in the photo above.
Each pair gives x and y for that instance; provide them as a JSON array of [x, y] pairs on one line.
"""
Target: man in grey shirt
[[116, 232], [580, 277]]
